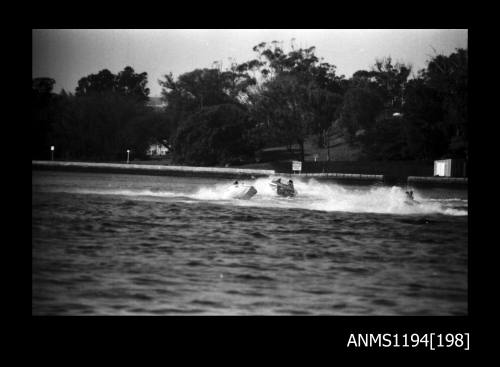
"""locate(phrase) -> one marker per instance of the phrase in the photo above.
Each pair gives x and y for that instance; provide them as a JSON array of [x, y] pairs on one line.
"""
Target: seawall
[[162, 170], [436, 181], [354, 178], [245, 173]]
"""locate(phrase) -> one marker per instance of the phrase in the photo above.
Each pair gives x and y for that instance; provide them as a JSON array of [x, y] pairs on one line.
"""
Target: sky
[[67, 55]]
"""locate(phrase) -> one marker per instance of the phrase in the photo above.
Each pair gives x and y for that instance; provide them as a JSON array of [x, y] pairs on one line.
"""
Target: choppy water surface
[[113, 244]]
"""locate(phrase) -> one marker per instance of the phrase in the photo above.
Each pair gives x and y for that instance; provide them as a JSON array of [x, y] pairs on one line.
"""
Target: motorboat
[[286, 190], [242, 191]]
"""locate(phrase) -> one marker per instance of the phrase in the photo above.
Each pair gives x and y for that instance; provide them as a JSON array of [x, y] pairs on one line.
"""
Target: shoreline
[[238, 173], [161, 170]]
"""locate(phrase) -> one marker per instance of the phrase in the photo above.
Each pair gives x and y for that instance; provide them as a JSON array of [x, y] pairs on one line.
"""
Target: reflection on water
[[130, 244]]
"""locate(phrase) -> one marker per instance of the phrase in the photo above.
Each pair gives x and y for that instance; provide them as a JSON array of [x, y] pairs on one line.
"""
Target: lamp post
[[128, 155], [52, 152]]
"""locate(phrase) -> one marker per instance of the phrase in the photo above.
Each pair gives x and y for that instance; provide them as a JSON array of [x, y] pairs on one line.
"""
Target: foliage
[[385, 140], [391, 81], [448, 77], [201, 88], [104, 118], [391, 117], [126, 83], [299, 95], [215, 116], [213, 135], [283, 104], [360, 107], [101, 127], [424, 119], [45, 106]]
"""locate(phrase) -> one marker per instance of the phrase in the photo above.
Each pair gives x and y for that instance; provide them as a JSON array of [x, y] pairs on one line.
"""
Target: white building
[[157, 150], [450, 168]]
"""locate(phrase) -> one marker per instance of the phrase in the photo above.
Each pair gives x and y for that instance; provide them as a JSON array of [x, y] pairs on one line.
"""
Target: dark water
[[105, 244]]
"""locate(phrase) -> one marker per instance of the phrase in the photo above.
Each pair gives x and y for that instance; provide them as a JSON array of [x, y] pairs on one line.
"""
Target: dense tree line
[[106, 116], [393, 117], [216, 116]]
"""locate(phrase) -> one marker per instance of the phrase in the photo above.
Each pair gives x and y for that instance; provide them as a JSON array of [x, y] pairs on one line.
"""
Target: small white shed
[[450, 168], [442, 167], [157, 150]]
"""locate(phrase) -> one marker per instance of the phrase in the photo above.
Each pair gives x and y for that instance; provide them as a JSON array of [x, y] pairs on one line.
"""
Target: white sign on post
[[296, 166]]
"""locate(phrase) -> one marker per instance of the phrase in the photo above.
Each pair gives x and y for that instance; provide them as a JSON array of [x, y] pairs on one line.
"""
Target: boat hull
[[244, 192]]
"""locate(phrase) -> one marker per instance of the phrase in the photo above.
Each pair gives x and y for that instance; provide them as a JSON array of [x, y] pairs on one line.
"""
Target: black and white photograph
[[249, 172]]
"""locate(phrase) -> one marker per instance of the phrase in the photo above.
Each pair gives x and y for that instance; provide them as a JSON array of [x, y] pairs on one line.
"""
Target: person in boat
[[285, 189], [290, 188], [235, 183], [410, 199], [279, 188], [278, 185]]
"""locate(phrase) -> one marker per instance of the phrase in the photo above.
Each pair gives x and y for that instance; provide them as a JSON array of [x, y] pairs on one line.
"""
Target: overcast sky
[[68, 55]]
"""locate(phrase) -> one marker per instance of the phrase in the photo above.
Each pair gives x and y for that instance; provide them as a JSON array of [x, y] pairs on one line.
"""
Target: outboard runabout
[[242, 191], [286, 190]]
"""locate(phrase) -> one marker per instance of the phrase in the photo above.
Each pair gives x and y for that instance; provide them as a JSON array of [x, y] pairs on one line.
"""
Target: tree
[[104, 118], [371, 110], [43, 86], [45, 105], [284, 105], [361, 106], [431, 119], [435, 108], [326, 108], [127, 83], [273, 61], [196, 89], [448, 76], [102, 82], [424, 118], [199, 89], [102, 126], [130, 83], [391, 81], [213, 135], [300, 95], [238, 81]]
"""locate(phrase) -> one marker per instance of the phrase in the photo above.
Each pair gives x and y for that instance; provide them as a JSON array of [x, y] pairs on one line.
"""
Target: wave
[[452, 200], [312, 195], [315, 195]]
